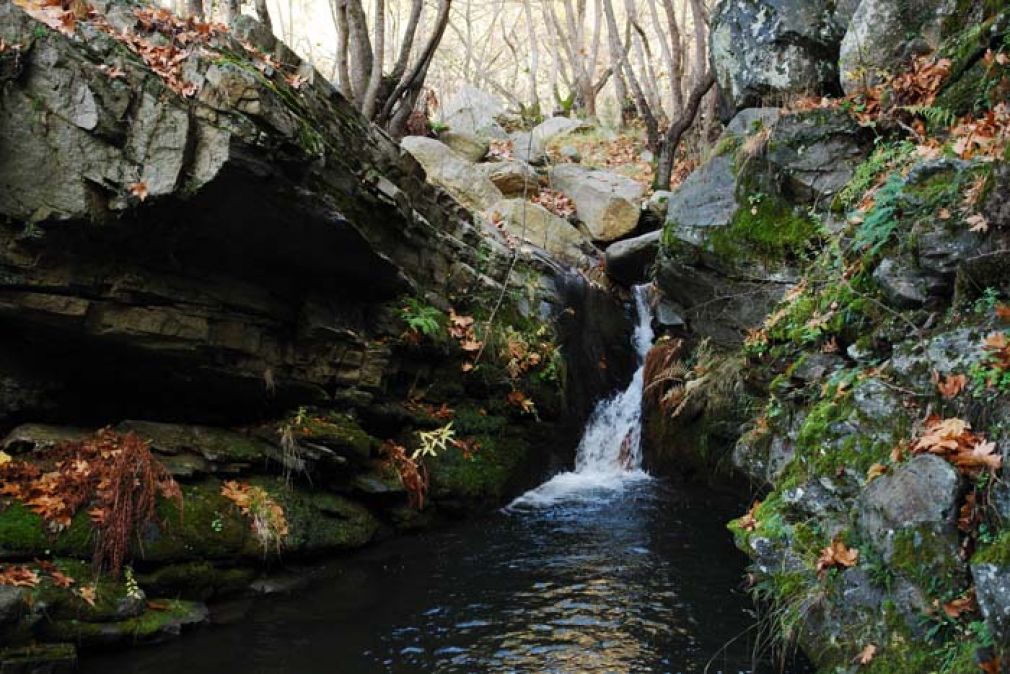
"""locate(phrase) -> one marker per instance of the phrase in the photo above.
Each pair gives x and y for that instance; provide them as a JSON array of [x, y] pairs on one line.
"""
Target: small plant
[[987, 302], [433, 442], [422, 319], [133, 590], [412, 474], [879, 225], [217, 524], [268, 522]]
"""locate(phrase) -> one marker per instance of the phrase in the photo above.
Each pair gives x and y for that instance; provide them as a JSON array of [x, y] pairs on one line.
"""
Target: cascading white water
[[610, 452]]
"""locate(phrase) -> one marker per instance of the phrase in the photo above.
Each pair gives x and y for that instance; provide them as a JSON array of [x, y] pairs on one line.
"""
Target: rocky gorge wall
[[838, 269], [204, 246]]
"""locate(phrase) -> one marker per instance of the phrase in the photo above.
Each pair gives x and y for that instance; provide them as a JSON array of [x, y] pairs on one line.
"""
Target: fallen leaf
[[978, 223], [951, 385], [963, 604], [5, 458], [60, 579], [87, 593], [866, 655], [139, 190], [836, 555], [875, 471]]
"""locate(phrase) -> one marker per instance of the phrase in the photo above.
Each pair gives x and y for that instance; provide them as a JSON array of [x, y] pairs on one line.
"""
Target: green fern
[[884, 157], [422, 318], [937, 118], [878, 227]]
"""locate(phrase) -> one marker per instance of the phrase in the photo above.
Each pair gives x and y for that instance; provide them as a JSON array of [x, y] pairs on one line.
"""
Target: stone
[[607, 203], [39, 659], [469, 146], [996, 207], [515, 178], [707, 198], [669, 315], [536, 225], [570, 153], [526, 148], [473, 111], [816, 153], [657, 204], [917, 502], [903, 285], [766, 50], [992, 590], [37, 437], [12, 604], [630, 260], [452, 171], [880, 35]]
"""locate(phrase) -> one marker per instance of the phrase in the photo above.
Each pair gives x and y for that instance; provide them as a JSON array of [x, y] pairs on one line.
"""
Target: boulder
[[469, 146], [570, 153], [629, 261], [913, 511], [515, 178], [766, 50], [992, 589], [815, 154], [904, 286], [706, 199], [450, 170], [531, 146], [607, 203], [538, 226], [882, 35], [473, 111]]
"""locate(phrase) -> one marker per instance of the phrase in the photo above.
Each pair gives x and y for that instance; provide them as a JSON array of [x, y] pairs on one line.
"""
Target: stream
[[601, 569]]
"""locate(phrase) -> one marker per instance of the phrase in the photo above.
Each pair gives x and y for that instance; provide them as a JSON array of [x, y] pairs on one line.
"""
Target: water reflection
[[636, 581]]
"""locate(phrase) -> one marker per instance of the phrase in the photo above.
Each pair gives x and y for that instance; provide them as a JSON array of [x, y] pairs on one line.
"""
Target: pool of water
[[631, 577]]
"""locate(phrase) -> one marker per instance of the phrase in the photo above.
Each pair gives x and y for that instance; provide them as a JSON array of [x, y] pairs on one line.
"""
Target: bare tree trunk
[[232, 8], [534, 56], [263, 14], [368, 101], [700, 19], [408, 40], [617, 60], [194, 8], [676, 130], [676, 60], [410, 84], [360, 50], [339, 10]]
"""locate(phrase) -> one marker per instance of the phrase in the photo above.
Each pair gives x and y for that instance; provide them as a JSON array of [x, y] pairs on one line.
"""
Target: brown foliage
[[413, 476], [115, 474]]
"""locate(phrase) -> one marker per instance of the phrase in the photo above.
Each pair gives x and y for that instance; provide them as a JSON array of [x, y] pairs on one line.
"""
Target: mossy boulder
[[166, 621]]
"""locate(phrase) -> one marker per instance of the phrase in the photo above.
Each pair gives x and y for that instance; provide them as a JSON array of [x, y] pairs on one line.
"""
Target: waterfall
[[610, 452]]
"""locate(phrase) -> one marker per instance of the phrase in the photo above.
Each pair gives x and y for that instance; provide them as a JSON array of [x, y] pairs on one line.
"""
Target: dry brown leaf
[[866, 655], [139, 190], [836, 555]]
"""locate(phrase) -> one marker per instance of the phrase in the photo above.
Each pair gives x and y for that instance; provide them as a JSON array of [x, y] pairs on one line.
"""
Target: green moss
[[727, 144], [337, 430], [486, 476], [151, 625], [768, 230], [195, 580], [25, 534], [997, 552]]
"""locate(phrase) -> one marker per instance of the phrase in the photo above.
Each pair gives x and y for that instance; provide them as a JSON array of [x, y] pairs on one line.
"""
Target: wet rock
[[992, 589], [12, 604], [153, 626], [538, 226], [607, 203], [629, 261], [514, 178], [883, 34], [996, 208], [813, 368], [669, 315], [39, 659], [766, 50], [38, 437], [452, 171], [913, 511], [470, 147]]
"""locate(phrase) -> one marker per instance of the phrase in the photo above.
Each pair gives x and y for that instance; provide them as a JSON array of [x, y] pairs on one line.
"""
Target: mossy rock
[[152, 626], [113, 601], [215, 445], [196, 580], [209, 527], [39, 659], [486, 476], [338, 431], [25, 534]]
